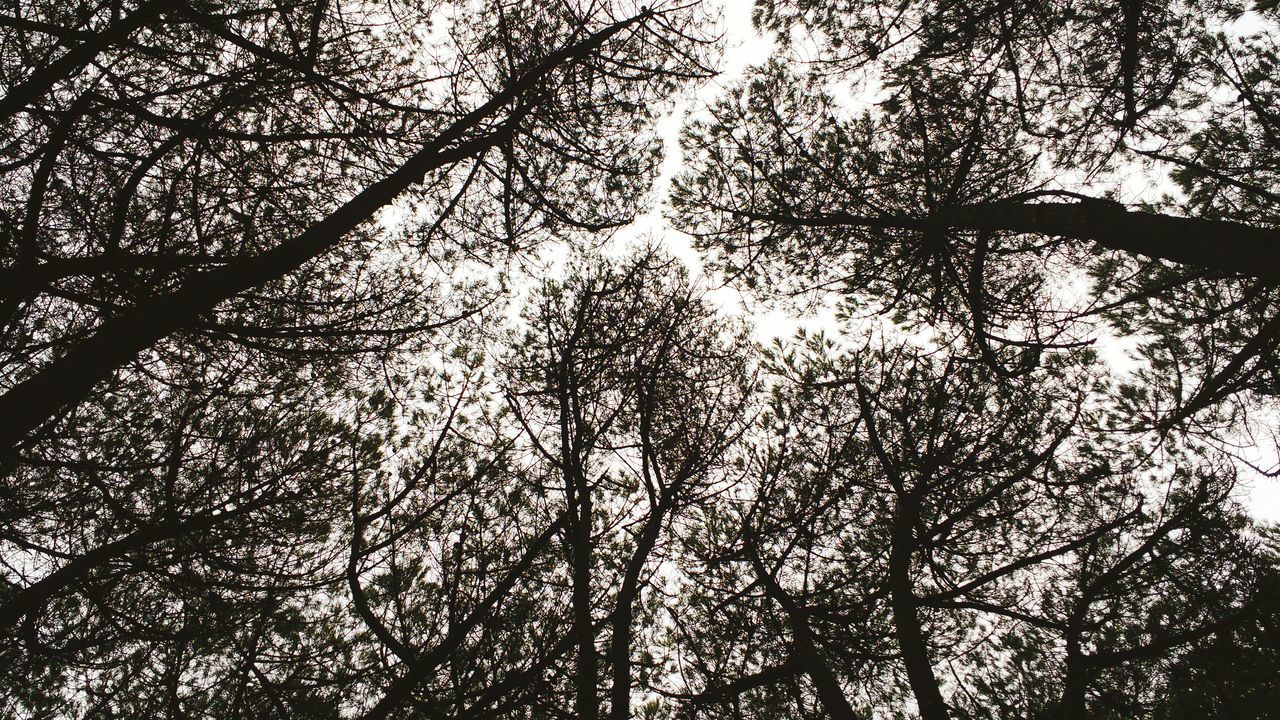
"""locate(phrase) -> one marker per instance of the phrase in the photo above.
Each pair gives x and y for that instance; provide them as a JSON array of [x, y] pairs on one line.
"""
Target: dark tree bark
[[587, 670], [1071, 704], [31, 599], [1216, 245], [624, 616], [38, 83], [629, 592], [805, 655], [905, 607], [68, 379]]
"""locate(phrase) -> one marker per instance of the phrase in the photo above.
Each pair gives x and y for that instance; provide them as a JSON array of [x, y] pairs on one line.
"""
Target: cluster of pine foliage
[[293, 425]]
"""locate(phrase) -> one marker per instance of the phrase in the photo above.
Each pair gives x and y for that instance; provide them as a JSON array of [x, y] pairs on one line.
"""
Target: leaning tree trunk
[[905, 607], [70, 378], [1218, 245]]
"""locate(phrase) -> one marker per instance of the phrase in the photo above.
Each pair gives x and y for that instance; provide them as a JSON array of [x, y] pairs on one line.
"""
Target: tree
[[987, 170], [630, 392], [139, 553], [918, 531], [197, 288], [315, 406], [163, 189], [195, 279], [1231, 673]]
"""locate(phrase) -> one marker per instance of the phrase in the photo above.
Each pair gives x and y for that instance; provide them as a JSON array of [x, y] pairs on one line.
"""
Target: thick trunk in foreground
[[1071, 706], [906, 619], [68, 379], [1209, 244], [1219, 245]]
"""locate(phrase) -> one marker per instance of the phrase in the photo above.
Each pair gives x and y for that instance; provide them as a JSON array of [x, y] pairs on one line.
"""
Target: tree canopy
[[335, 384]]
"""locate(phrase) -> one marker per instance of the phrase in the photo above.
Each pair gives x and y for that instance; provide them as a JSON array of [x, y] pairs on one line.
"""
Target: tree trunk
[[1071, 705], [70, 378], [904, 605], [587, 671], [624, 613], [1220, 245], [1209, 244], [804, 649]]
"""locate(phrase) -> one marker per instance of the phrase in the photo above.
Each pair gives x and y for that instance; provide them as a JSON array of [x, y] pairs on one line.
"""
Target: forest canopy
[[338, 381]]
